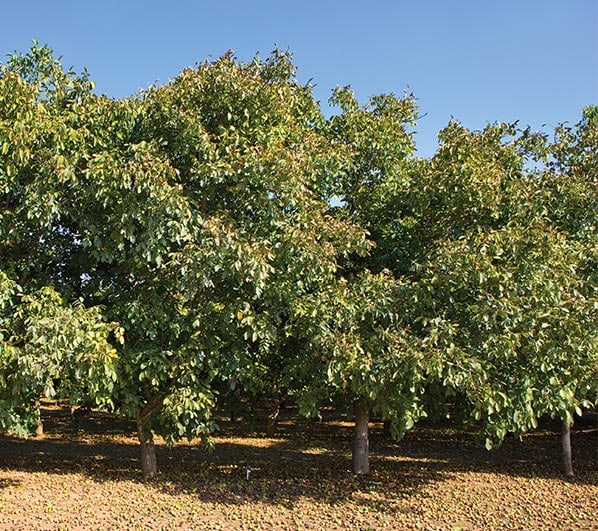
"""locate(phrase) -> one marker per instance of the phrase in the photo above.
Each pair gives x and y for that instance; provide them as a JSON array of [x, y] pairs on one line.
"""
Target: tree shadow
[[312, 460], [306, 459], [8, 482]]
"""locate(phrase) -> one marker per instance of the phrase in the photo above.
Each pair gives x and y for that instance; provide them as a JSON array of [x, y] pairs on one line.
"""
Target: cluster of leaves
[[53, 350], [501, 270]]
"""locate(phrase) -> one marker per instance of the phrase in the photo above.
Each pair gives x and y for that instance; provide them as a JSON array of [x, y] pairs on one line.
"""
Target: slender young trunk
[[149, 466], [566, 443], [236, 404], [39, 428], [386, 431], [272, 416], [361, 462]]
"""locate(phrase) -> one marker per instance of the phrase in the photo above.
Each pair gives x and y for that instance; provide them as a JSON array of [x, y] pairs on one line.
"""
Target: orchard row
[[219, 236]]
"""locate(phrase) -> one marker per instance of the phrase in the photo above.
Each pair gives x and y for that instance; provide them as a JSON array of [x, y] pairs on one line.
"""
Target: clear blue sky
[[477, 60]]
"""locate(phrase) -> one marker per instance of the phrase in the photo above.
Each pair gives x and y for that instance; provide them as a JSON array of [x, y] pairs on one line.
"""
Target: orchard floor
[[438, 477]]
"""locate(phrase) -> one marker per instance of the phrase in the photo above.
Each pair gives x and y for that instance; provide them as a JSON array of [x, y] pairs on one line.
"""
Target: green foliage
[[42, 72], [50, 344], [510, 301], [371, 353], [508, 281], [493, 244], [195, 213], [196, 221], [376, 179], [49, 349]]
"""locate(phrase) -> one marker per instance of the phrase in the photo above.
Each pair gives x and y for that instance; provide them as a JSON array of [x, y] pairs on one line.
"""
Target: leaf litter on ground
[[437, 477]]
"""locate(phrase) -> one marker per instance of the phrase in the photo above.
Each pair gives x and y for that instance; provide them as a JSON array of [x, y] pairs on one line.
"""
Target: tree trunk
[[272, 416], [39, 428], [566, 443], [236, 404], [149, 466], [386, 431], [361, 445]]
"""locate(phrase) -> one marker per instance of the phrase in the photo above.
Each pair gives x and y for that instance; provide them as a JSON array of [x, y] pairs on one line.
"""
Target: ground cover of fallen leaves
[[86, 477]]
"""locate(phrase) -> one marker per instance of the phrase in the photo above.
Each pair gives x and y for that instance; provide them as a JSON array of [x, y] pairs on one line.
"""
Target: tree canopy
[[219, 231]]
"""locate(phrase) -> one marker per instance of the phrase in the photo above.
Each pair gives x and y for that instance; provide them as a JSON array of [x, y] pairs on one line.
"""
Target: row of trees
[[220, 233]]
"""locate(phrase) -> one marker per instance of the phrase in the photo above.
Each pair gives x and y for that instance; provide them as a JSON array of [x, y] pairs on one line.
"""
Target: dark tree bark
[[386, 431], [272, 416], [149, 465], [361, 445], [236, 404], [39, 428], [566, 443]]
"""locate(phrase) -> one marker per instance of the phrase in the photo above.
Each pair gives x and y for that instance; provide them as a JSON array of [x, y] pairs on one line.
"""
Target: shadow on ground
[[306, 459]]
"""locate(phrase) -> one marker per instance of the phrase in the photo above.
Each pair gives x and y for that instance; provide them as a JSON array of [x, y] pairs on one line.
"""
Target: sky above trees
[[480, 62]]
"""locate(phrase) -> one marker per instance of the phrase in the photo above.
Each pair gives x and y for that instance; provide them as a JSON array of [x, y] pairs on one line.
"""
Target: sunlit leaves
[[50, 349], [505, 280]]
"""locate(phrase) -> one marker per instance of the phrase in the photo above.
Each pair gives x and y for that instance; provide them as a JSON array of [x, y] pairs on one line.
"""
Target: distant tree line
[[218, 237]]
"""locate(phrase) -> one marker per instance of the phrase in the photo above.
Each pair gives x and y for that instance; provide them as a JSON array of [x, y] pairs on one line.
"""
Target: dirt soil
[[86, 476]]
